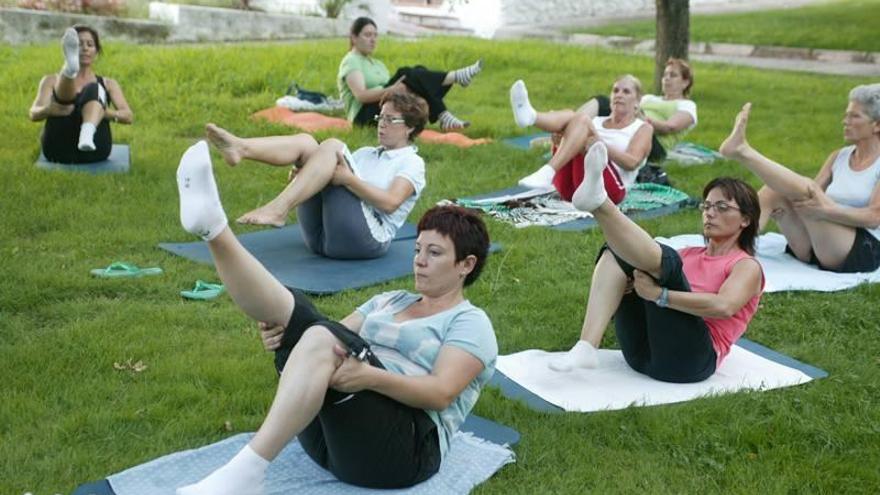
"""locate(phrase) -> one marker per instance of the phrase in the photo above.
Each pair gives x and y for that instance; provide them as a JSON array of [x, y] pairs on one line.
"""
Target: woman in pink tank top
[[832, 221], [676, 314]]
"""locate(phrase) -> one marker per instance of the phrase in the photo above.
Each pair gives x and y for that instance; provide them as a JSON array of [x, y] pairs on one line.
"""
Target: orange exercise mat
[[311, 122], [453, 138], [307, 121]]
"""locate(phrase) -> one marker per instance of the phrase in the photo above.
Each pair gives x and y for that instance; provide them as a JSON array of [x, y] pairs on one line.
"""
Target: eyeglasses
[[720, 206], [387, 119]]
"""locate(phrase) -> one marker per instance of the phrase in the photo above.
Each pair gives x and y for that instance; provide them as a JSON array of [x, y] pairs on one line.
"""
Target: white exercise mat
[[614, 385], [784, 272]]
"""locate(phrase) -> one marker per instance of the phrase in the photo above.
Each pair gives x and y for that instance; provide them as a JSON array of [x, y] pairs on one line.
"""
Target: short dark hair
[[414, 109], [82, 28], [465, 229], [359, 24], [749, 206]]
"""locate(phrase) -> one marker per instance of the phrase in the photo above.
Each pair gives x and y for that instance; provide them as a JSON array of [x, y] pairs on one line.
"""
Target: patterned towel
[[547, 209]]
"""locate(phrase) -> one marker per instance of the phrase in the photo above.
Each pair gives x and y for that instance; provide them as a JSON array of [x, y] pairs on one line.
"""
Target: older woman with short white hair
[[832, 221]]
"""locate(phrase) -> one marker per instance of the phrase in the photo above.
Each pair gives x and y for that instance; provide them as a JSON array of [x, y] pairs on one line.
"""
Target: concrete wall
[[33, 26], [378, 10], [192, 23], [170, 23]]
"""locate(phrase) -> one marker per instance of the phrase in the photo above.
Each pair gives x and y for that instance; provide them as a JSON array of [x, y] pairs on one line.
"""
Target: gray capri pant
[[333, 225]]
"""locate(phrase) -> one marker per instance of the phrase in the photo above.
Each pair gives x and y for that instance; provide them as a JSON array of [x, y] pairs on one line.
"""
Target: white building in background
[[482, 18]]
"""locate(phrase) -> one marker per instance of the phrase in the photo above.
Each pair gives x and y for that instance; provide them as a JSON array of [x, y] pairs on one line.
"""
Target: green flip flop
[[203, 291], [122, 270]]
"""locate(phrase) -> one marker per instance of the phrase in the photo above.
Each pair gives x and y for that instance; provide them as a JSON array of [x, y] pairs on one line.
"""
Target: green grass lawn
[[837, 24], [67, 416]]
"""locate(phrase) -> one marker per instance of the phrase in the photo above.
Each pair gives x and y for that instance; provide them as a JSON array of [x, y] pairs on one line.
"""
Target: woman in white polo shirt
[[349, 205]]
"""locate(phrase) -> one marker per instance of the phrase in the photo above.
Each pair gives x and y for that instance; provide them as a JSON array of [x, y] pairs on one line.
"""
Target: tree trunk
[[673, 35]]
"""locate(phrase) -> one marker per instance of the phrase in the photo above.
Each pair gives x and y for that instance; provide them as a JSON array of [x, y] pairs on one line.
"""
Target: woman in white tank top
[[627, 137], [831, 221]]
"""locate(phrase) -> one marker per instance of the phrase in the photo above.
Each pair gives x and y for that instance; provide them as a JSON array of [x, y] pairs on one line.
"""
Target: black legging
[[422, 81], [60, 137], [366, 438], [663, 343]]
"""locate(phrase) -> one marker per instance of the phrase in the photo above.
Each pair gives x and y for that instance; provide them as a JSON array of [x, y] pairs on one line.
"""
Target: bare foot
[[264, 215], [225, 142], [736, 144]]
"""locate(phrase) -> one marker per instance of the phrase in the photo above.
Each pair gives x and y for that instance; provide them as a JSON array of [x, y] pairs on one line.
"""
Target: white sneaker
[[539, 179], [582, 355]]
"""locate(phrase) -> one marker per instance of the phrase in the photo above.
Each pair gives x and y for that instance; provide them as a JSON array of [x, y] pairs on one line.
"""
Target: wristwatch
[[663, 300]]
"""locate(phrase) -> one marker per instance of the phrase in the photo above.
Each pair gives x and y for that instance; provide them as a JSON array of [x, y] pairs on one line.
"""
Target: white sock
[[539, 179], [582, 355], [243, 475], [591, 193], [523, 112], [70, 48], [201, 212], [87, 136]]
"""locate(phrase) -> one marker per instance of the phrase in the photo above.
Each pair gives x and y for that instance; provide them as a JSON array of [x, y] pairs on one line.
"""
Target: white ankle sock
[[70, 48], [87, 137], [582, 355], [243, 475], [523, 112], [591, 193], [539, 179], [201, 212]]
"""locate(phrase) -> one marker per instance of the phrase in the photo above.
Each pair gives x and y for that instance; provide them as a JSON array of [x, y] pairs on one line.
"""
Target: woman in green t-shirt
[[364, 79]]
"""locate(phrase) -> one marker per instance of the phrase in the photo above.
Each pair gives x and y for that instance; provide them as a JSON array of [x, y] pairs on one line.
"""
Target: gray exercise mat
[[284, 253], [476, 453], [118, 162]]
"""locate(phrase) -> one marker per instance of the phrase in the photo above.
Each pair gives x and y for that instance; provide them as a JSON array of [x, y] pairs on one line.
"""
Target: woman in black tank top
[[76, 103]]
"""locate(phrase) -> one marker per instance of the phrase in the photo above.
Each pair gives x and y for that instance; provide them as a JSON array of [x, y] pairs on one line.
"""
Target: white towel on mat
[[614, 385]]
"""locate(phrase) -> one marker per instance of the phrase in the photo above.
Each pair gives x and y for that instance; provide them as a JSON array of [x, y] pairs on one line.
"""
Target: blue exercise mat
[[523, 142], [284, 253], [589, 223], [118, 162], [515, 391], [478, 426]]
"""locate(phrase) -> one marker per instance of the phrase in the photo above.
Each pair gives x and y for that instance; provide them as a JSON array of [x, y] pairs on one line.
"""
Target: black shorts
[[864, 256], [365, 439], [663, 343], [61, 134]]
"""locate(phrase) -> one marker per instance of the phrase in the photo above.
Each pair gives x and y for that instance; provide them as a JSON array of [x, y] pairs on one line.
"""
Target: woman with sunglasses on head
[[676, 313], [349, 205], [363, 80], [79, 105], [832, 221]]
